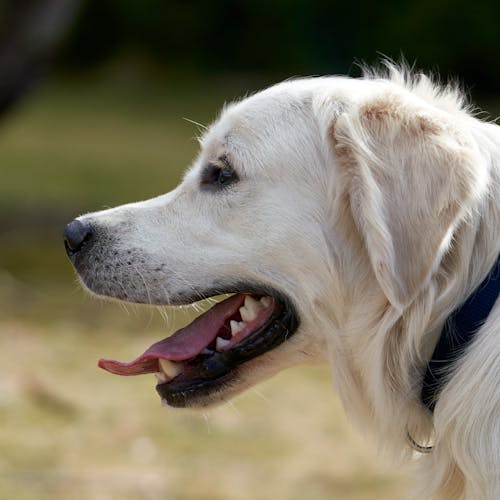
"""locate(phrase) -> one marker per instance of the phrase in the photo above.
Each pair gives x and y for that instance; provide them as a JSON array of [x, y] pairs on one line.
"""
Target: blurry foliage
[[285, 38]]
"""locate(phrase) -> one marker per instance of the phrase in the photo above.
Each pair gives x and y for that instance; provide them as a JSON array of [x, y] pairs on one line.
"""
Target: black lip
[[208, 373]]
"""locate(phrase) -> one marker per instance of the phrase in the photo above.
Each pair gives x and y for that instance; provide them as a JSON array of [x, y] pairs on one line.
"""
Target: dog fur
[[374, 205]]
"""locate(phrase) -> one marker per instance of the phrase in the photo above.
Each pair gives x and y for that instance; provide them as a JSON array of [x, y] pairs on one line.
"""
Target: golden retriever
[[344, 220]]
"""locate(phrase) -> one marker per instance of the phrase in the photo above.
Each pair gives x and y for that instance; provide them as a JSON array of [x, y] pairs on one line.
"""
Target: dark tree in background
[[294, 37], [30, 31], [274, 38]]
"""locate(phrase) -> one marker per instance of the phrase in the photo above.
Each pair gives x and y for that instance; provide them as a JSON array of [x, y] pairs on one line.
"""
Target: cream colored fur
[[374, 204]]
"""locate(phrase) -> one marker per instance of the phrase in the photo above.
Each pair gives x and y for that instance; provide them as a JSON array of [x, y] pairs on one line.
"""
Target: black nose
[[76, 235]]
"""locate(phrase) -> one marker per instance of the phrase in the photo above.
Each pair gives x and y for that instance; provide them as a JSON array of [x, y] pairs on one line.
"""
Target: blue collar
[[458, 332]]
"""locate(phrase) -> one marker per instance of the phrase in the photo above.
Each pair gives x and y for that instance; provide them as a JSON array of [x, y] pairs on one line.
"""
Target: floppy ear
[[412, 173]]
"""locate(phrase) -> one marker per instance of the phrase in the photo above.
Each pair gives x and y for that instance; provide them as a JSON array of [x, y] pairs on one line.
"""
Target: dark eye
[[218, 176], [225, 176]]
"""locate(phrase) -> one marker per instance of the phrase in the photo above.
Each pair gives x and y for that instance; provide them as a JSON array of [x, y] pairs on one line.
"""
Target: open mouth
[[202, 357]]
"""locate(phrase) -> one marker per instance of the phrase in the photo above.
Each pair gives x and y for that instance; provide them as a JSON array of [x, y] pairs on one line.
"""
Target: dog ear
[[412, 172]]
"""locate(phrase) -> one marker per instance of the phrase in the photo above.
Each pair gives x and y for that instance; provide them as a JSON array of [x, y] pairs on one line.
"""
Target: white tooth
[[161, 377], [266, 301], [246, 315], [170, 369], [251, 303], [250, 310], [220, 343], [236, 327], [207, 351]]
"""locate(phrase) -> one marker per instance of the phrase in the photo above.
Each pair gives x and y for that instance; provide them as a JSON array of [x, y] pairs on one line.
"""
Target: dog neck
[[458, 332]]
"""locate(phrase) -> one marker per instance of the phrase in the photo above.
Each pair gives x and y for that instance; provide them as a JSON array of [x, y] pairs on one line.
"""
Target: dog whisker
[[264, 398], [198, 124]]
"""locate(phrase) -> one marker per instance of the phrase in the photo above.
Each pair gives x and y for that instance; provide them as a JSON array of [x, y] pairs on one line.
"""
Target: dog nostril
[[76, 235]]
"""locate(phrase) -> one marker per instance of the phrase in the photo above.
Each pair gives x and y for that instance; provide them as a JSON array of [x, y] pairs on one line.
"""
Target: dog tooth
[[169, 368], [236, 326], [266, 301], [248, 314], [250, 310], [161, 377], [252, 303], [207, 351], [220, 343]]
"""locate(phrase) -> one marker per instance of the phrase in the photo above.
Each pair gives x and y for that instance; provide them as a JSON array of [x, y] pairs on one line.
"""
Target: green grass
[[69, 430]]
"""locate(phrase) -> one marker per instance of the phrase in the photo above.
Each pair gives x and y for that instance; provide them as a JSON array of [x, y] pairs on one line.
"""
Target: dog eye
[[217, 177], [225, 176]]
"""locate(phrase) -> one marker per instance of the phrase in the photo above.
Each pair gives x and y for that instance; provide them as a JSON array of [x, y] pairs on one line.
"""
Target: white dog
[[348, 218]]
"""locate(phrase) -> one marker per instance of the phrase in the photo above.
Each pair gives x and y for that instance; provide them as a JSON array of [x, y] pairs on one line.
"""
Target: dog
[[343, 221]]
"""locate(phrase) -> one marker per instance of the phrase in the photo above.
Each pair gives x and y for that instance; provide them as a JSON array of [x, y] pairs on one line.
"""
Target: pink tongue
[[184, 344]]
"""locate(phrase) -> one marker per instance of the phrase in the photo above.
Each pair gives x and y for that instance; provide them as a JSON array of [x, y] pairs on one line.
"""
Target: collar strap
[[458, 332]]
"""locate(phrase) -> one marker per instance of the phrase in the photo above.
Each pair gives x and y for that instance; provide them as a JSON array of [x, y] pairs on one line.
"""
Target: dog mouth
[[200, 359]]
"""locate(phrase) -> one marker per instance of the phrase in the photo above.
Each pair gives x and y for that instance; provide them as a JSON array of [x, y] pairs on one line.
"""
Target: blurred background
[[95, 98]]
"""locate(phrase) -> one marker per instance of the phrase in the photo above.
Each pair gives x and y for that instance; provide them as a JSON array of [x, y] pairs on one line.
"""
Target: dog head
[[310, 202]]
